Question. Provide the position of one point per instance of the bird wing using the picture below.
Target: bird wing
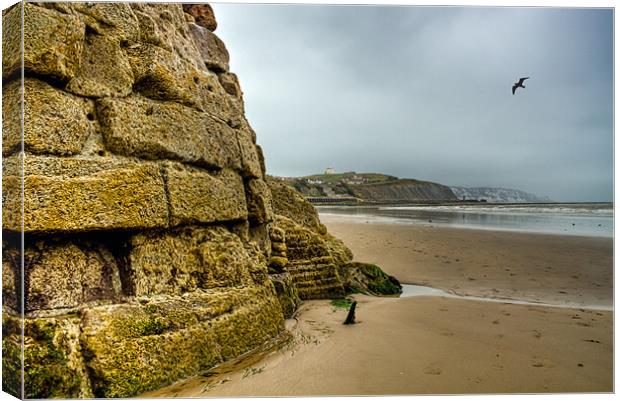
(514, 88)
(521, 80)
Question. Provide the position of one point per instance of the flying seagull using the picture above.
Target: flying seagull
(519, 84)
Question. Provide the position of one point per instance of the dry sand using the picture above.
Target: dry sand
(436, 345)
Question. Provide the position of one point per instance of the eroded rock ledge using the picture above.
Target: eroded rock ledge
(155, 246)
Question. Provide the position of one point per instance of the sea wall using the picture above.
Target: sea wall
(145, 212)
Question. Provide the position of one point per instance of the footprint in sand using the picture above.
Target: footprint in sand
(432, 370)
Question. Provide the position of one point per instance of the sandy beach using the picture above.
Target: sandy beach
(436, 345)
(503, 264)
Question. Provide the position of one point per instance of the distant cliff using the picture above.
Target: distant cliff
(370, 187)
(403, 190)
(497, 195)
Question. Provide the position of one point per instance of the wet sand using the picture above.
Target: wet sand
(438, 345)
(534, 267)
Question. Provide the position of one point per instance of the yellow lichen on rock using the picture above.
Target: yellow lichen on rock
(188, 259)
(55, 122)
(110, 195)
(195, 196)
(52, 42)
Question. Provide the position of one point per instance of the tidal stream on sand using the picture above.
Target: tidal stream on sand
(412, 290)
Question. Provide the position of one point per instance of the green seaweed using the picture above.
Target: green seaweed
(341, 303)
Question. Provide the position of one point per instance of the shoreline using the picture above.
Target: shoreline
(537, 267)
(375, 219)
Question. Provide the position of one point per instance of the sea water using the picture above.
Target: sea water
(585, 219)
(411, 290)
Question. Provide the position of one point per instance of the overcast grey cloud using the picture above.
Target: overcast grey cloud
(425, 92)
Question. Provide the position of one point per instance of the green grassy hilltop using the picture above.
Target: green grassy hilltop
(369, 187)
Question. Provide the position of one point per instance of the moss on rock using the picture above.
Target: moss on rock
(53, 365)
(191, 258)
(368, 278)
(133, 348)
(287, 294)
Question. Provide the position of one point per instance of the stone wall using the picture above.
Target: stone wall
(154, 246)
(146, 214)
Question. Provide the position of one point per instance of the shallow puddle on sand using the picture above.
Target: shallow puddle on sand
(412, 290)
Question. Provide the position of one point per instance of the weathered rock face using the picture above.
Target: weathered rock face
(145, 211)
(203, 14)
(154, 246)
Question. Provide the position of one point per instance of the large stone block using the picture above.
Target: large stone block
(111, 19)
(161, 74)
(230, 83)
(136, 126)
(135, 348)
(258, 198)
(164, 25)
(203, 15)
(196, 196)
(52, 42)
(62, 194)
(53, 362)
(212, 49)
(55, 122)
(251, 165)
(187, 259)
(104, 69)
(290, 203)
(63, 274)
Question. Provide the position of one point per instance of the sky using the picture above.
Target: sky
(425, 93)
